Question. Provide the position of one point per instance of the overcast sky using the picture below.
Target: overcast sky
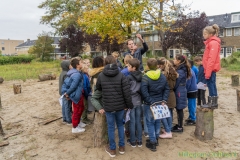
(19, 19)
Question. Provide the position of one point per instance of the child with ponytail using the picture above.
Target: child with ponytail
(211, 63)
(171, 75)
(184, 71)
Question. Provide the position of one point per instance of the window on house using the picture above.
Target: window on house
(229, 50)
(222, 51)
(2, 42)
(238, 49)
(221, 32)
(3, 48)
(229, 32)
(236, 31)
(236, 18)
(155, 37)
(210, 20)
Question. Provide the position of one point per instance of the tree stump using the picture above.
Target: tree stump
(17, 88)
(204, 124)
(1, 129)
(45, 77)
(100, 135)
(0, 101)
(235, 80)
(1, 80)
(238, 100)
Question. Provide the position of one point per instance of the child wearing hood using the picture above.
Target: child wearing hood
(154, 88)
(66, 104)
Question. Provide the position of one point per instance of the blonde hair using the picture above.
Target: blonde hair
(127, 58)
(214, 29)
(115, 54)
(85, 68)
(167, 65)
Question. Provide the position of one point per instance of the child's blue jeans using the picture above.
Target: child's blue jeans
(135, 124)
(211, 83)
(192, 108)
(66, 110)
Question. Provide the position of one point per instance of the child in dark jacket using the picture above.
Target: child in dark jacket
(87, 92)
(72, 89)
(184, 71)
(66, 104)
(116, 97)
(154, 88)
(135, 79)
(191, 87)
(201, 100)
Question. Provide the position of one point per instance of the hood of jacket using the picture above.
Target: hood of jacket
(72, 71)
(137, 75)
(154, 74)
(65, 65)
(95, 71)
(111, 70)
(181, 66)
(211, 39)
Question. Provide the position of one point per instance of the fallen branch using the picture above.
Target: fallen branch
(1, 118)
(4, 143)
(11, 135)
(49, 120)
(37, 117)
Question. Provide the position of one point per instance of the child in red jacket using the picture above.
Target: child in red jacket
(211, 62)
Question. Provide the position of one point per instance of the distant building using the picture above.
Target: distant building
(229, 24)
(7, 46)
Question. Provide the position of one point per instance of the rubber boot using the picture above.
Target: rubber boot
(215, 102)
(209, 104)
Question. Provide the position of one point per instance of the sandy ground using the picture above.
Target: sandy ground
(39, 101)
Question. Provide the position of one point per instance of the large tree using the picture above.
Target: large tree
(43, 46)
(72, 41)
(186, 32)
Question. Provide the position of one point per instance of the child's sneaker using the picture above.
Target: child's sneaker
(166, 135)
(81, 124)
(139, 144)
(78, 130)
(121, 149)
(146, 135)
(112, 153)
(69, 124)
(131, 144)
(190, 123)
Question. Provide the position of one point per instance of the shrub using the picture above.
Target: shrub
(15, 59)
(224, 62)
(236, 54)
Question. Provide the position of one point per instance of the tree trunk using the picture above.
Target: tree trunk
(45, 77)
(204, 124)
(100, 135)
(1, 129)
(238, 100)
(235, 80)
(17, 88)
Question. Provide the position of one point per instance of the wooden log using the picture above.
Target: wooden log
(49, 120)
(17, 88)
(1, 129)
(4, 143)
(45, 77)
(0, 101)
(204, 124)
(1, 80)
(235, 80)
(238, 100)
(100, 135)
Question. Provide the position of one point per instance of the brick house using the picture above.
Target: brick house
(229, 24)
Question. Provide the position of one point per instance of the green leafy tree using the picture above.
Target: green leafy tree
(43, 47)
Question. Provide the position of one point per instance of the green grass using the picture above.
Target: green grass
(28, 71)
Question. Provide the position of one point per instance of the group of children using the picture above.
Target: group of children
(115, 90)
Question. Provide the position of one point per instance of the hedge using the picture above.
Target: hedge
(15, 59)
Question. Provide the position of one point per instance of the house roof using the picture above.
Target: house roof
(223, 20)
(29, 42)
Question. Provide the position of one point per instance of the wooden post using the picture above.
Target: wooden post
(235, 80)
(238, 100)
(204, 124)
(45, 77)
(1, 80)
(100, 135)
(17, 88)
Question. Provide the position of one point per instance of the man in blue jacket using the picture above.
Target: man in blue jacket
(136, 53)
